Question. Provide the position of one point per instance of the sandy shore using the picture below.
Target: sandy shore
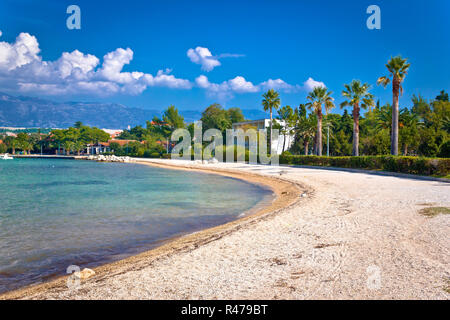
(328, 235)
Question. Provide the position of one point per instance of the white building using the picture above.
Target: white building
(285, 141)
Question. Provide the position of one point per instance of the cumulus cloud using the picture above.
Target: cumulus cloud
(204, 57)
(76, 63)
(239, 85)
(22, 68)
(227, 88)
(310, 84)
(278, 84)
(22, 52)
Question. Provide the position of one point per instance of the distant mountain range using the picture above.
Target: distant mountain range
(31, 112)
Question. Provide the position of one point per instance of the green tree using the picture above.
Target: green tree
(287, 116)
(215, 117)
(3, 148)
(78, 124)
(305, 129)
(357, 95)
(443, 96)
(23, 142)
(318, 97)
(409, 130)
(172, 118)
(271, 100)
(398, 68)
(235, 115)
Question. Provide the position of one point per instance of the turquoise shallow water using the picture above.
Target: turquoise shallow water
(56, 213)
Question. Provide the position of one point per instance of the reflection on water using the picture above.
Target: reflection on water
(54, 213)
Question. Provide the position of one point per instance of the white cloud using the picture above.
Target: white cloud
(75, 63)
(226, 89)
(1, 33)
(165, 79)
(278, 84)
(239, 85)
(21, 68)
(310, 84)
(204, 57)
(23, 51)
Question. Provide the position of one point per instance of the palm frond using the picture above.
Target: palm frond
(384, 81)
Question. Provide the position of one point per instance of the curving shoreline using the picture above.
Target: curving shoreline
(348, 236)
(286, 193)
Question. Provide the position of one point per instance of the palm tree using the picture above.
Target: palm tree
(398, 68)
(384, 117)
(319, 96)
(286, 114)
(306, 128)
(409, 124)
(355, 92)
(271, 101)
(68, 146)
(13, 145)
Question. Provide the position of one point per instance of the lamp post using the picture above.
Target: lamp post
(167, 146)
(328, 139)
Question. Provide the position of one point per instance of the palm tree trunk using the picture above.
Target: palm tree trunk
(394, 139)
(306, 144)
(356, 130)
(270, 145)
(319, 134)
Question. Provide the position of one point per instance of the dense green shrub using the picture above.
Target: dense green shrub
(151, 154)
(3, 148)
(445, 150)
(411, 165)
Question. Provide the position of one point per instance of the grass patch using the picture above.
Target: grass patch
(434, 211)
(447, 287)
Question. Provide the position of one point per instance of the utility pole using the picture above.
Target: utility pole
(167, 146)
(328, 139)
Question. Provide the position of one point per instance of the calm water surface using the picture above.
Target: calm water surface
(55, 213)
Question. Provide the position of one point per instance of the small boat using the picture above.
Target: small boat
(6, 157)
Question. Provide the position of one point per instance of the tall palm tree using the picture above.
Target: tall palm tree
(286, 114)
(357, 95)
(306, 129)
(398, 68)
(271, 101)
(318, 97)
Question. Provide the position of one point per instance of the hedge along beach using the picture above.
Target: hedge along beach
(334, 235)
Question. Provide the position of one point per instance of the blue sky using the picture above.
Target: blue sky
(253, 41)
